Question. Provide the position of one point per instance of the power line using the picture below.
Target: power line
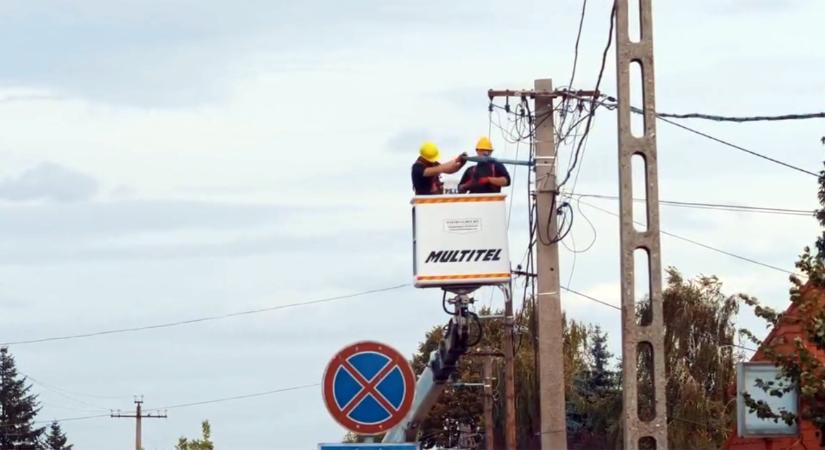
(237, 397)
(205, 318)
(706, 246)
(575, 56)
(743, 258)
(618, 308)
(65, 419)
(738, 147)
(71, 419)
(593, 299)
(64, 394)
(69, 393)
(185, 405)
(717, 118)
(714, 206)
(664, 118)
(594, 102)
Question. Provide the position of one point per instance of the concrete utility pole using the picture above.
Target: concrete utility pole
(636, 336)
(138, 416)
(488, 403)
(550, 351)
(509, 372)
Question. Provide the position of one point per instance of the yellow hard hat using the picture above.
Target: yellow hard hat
(429, 151)
(484, 144)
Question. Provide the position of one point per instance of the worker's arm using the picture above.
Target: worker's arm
(498, 181)
(451, 166)
(459, 162)
(502, 180)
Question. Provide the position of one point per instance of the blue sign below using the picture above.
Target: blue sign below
(367, 446)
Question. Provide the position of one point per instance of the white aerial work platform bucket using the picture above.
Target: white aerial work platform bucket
(460, 240)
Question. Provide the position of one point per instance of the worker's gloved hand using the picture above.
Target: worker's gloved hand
(483, 180)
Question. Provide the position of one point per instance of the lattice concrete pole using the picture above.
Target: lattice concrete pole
(634, 333)
(551, 363)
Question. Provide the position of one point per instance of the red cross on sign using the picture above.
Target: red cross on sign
(368, 387)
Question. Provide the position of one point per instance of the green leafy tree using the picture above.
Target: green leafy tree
(56, 439)
(462, 407)
(798, 360)
(18, 408)
(700, 360)
(700, 366)
(204, 443)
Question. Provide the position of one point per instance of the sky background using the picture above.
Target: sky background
(171, 159)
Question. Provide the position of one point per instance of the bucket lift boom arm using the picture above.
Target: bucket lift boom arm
(442, 365)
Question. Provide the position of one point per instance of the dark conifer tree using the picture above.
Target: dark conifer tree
(56, 439)
(18, 408)
(601, 380)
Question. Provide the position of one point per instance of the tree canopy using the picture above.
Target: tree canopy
(800, 363)
(700, 367)
(204, 443)
(18, 408)
(56, 439)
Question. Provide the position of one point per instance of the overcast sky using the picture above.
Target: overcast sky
(170, 159)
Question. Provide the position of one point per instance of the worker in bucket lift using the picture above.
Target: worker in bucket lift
(485, 177)
(426, 171)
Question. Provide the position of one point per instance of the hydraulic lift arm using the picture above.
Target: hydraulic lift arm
(433, 380)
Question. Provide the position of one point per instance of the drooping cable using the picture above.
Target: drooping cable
(700, 244)
(663, 118)
(718, 118)
(237, 397)
(713, 206)
(203, 319)
(618, 308)
(594, 101)
(575, 56)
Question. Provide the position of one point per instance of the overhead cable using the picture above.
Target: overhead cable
(618, 308)
(714, 206)
(706, 246)
(575, 55)
(738, 147)
(238, 397)
(664, 118)
(72, 419)
(63, 394)
(69, 393)
(594, 100)
(818, 115)
(186, 405)
(594, 299)
(205, 318)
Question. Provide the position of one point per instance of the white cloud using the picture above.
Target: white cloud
(48, 181)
